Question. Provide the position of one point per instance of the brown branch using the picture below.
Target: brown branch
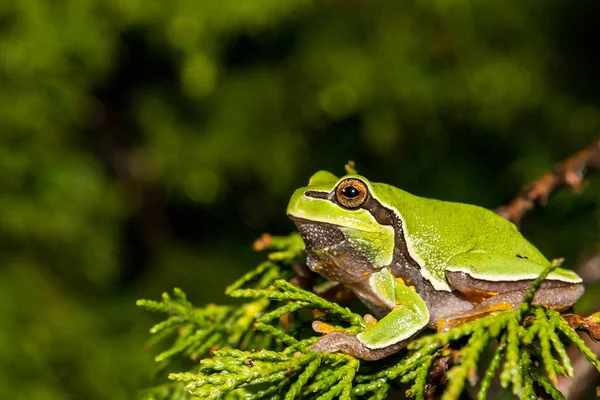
(570, 172)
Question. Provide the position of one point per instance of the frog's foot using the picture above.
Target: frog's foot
(450, 321)
(349, 344)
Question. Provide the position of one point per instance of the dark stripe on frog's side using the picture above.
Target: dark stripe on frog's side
(404, 266)
(439, 303)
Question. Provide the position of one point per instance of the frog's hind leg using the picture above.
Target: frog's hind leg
(349, 344)
(490, 297)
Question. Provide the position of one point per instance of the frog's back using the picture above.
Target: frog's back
(437, 230)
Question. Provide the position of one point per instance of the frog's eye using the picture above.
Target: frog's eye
(351, 193)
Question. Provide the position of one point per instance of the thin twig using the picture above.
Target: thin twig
(570, 172)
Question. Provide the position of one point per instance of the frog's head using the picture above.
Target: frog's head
(346, 230)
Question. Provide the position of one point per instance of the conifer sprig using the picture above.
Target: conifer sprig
(261, 350)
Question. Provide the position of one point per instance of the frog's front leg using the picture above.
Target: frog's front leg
(408, 315)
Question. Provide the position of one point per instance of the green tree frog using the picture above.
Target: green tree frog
(416, 262)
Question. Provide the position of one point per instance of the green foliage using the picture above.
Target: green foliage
(200, 330)
(281, 365)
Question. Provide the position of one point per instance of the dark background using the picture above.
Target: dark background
(144, 145)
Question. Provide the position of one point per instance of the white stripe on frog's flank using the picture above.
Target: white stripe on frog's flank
(437, 284)
(511, 278)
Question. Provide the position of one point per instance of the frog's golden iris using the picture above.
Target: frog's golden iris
(351, 193)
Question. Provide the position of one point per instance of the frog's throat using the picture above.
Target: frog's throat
(332, 255)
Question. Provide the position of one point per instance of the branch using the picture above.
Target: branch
(570, 172)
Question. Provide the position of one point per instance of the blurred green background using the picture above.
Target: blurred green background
(145, 144)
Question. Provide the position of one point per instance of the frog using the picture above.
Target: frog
(415, 262)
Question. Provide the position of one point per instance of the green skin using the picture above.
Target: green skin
(417, 262)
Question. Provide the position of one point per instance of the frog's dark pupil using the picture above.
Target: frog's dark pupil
(350, 192)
